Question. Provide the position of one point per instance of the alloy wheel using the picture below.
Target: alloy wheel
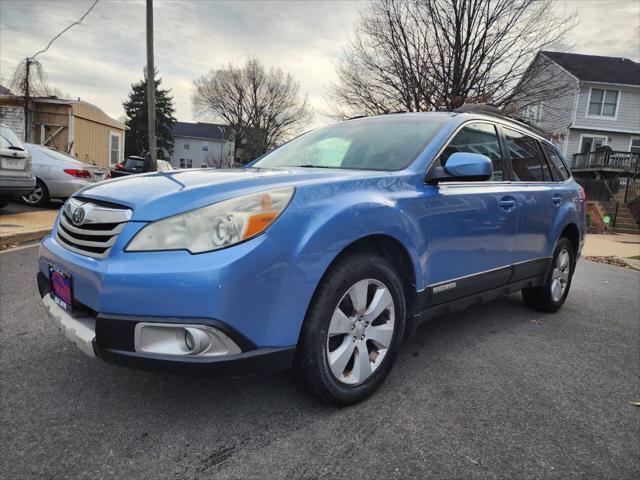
(361, 331)
(35, 196)
(560, 275)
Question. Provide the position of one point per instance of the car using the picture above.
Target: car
(134, 165)
(15, 167)
(58, 175)
(130, 166)
(321, 256)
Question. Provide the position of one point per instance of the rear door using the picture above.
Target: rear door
(472, 224)
(539, 200)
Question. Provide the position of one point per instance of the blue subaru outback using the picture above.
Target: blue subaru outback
(321, 256)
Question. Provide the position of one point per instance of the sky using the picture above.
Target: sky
(99, 59)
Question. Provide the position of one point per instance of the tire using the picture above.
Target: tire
(551, 296)
(39, 197)
(338, 328)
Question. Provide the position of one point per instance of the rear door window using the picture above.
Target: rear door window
(560, 172)
(526, 160)
(477, 138)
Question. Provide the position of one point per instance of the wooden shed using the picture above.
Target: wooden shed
(80, 128)
(73, 126)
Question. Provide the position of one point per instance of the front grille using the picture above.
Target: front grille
(93, 231)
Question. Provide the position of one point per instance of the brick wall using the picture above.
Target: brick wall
(13, 117)
(596, 224)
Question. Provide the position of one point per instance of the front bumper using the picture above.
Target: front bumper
(114, 345)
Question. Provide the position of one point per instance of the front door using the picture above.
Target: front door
(471, 225)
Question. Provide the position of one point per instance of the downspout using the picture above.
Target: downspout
(573, 119)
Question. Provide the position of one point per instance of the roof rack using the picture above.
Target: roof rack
(493, 110)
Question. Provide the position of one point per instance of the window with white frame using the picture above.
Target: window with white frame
(186, 163)
(590, 144)
(114, 148)
(205, 147)
(186, 146)
(634, 147)
(603, 103)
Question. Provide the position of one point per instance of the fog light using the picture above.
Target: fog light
(196, 340)
(189, 341)
(183, 340)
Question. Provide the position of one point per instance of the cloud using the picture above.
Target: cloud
(99, 59)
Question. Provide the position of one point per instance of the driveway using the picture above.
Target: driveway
(498, 391)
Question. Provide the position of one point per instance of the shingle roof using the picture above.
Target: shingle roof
(4, 91)
(593, 68)
(200, 130)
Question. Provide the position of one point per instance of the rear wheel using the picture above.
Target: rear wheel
(38, 197)
(550, 296)
(353, 330)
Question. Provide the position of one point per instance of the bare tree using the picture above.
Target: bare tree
(420, 55)
(262, 108)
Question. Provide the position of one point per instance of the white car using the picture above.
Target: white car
(15, 167)
(59, 175)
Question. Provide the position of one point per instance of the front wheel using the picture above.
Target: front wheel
(353, 330)
(550, 296)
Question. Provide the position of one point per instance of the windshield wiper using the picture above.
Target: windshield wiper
(308, 165)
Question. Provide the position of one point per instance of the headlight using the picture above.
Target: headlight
(215, 226)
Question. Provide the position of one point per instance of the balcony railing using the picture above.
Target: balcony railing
(621, 161)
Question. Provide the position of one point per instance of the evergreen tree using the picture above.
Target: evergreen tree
(137, 138)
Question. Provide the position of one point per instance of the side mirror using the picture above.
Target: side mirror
(463, 166)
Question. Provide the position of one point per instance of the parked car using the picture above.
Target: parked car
(322, 256)
(133, 165)
(58, 175)
(15, 167)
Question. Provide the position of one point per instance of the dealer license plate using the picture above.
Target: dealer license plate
(61, 287)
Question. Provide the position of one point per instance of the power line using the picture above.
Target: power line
(77, 22)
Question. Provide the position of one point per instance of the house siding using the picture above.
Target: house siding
(617, 141)
(627, 116)
(218, 154)
(554, 90)
(91, 141)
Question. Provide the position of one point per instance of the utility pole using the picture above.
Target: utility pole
(26, 99)
(151, 92)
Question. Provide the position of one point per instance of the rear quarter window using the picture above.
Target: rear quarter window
(560, 171)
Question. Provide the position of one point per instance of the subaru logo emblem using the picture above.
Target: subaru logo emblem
(78, 216)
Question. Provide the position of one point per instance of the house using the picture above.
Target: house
(73, 126)
(197, 145)
(590, 106)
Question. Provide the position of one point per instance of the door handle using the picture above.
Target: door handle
(556, 200)
(507, 203)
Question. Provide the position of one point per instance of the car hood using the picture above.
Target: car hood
(156, 195)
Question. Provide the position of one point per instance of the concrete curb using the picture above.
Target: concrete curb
(18, 238)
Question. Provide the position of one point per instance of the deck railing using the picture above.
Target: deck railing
(624, 161)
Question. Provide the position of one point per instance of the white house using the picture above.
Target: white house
(584, 101)
(201, 145)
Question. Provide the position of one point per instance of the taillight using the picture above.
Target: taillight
(77, 173)
(583, 194)
(118, 166)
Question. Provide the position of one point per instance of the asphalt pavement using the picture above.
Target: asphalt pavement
(498, 391)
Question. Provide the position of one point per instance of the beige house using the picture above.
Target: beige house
(73, 126)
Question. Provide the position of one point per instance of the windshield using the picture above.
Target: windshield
(381, 143)
(63, 157)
